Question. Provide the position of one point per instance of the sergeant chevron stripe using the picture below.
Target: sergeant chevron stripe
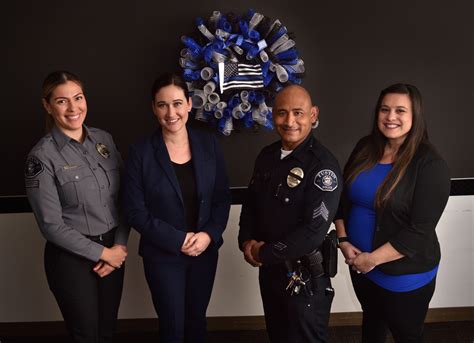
(321, 211)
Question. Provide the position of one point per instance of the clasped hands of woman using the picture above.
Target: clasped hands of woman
(360, 262)
(195, 243)
(111, 259)
(364, 262)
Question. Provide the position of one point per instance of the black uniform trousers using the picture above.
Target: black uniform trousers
(181, 291)
(299, 318)
(402, 312)
(89, 304)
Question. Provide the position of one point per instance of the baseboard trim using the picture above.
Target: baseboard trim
(434, 315)
(450, 314)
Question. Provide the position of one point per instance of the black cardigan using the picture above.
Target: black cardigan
(409, 218)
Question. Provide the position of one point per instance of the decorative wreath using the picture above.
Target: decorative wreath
(234, 65)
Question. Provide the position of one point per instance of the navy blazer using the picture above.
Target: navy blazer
(152, 197)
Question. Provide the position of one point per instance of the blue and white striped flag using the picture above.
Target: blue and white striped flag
(240, 75)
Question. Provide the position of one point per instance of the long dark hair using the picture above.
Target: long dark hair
(373, 149)
(167, 79)
(50, 83)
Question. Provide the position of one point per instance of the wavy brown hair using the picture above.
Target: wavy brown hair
(373, 146)
(53, 80)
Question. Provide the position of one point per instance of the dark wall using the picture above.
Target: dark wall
(351, 51)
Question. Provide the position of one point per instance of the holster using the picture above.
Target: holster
(329, 249)
(323, 261)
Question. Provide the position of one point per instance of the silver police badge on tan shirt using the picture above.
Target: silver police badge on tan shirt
(102, 150)
(295, 177)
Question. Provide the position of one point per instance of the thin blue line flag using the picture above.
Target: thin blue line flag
(240, 75)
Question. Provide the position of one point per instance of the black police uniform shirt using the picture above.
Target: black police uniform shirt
(291, 202)
(73, 189)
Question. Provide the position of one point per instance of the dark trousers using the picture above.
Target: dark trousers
(89, 304)
(181, 292)
(402, 312)
(294, 319)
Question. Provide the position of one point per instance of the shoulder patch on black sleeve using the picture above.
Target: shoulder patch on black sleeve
(326, 180)
(33, 167)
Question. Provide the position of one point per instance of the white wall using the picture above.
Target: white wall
(24, 294)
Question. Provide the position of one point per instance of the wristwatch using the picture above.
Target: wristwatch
(341, 240)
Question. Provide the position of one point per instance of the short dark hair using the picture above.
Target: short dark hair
(167, 79)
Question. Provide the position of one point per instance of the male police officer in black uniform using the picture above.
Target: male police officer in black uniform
(292, 199)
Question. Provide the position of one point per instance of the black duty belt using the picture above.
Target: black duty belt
(103, 236)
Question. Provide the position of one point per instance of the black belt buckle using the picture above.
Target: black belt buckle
(102, 236)
(97, 238)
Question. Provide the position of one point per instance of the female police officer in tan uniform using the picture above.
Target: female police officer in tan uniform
(72, 182)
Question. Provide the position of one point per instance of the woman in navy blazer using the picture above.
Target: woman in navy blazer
(176, 196)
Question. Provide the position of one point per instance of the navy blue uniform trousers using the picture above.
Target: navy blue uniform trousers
(299, 318)
(181, 291)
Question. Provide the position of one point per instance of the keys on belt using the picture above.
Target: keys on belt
(297, 283)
